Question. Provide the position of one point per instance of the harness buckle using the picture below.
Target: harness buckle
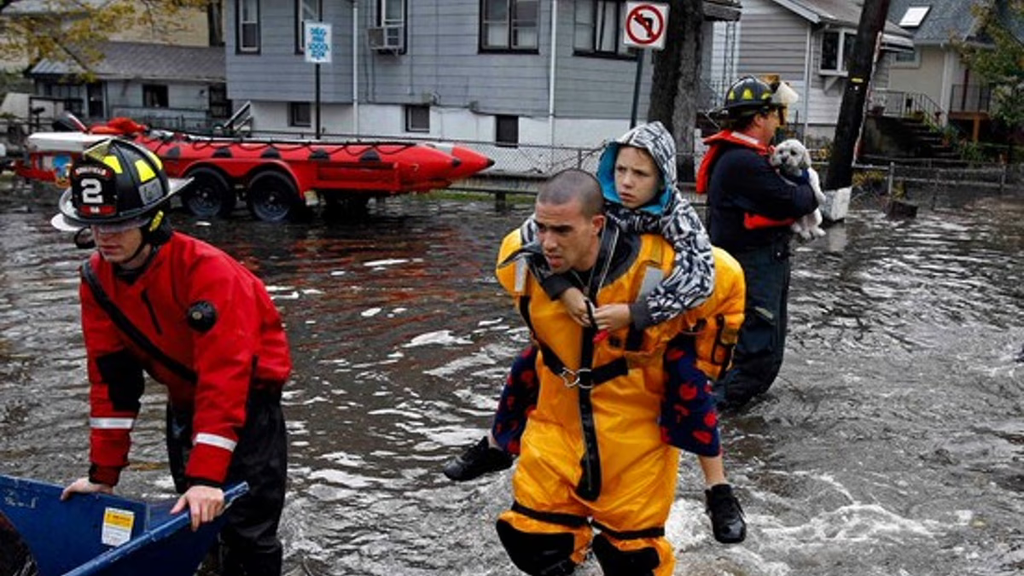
(571, 378)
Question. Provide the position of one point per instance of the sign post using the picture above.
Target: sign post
(317, 46)
(644, 27)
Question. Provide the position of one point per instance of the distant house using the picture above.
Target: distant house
(168, 86)
(505, 71)
(135, 56)
(808, 43)
(934, 73)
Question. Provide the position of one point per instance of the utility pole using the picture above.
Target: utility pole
(851, 112)
(675, 83)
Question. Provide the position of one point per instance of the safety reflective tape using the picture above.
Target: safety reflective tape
(214, 440)
(114, 163)
(520, 278)
(145, 171)
(111, 423)
(652, 277)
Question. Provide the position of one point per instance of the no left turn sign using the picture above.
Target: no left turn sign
(645, 25)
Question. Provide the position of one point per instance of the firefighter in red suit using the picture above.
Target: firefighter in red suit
(159, 302)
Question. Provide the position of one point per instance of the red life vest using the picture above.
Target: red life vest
(715, 142)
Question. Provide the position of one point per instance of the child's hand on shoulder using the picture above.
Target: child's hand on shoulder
(576, 305)
(613, 316)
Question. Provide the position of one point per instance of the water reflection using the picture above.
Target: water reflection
(891, 444)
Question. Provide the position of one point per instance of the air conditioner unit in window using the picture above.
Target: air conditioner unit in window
(391, 38)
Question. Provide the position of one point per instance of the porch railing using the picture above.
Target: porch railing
(907, 105)
(185, 119)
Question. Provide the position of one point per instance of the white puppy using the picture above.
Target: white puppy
(791, 158)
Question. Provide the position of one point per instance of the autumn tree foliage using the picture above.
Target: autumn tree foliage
(996, 54)
(70, 30)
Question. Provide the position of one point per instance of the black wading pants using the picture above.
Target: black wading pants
(249, 543)
(762, 340)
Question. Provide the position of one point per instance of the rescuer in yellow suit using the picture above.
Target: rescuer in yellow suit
(593, 454)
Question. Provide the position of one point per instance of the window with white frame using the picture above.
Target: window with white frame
(907, 58)
(509, 25)
(836, 51)
(390, 21)
(597, 28)
(391, 12)
(300, 114)
(305, 10)
(417, 118)
(247, 15)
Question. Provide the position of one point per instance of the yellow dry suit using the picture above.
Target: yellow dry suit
(717, 320)
(703, 350)
(593, 454)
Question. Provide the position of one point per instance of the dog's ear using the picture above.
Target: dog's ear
(805, 158)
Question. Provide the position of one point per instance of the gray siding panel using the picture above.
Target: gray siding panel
(442, 64)
(277, 72)
(772, 41)
(443, 60)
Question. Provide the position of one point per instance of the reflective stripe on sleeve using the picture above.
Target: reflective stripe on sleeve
(214, 440)
(111, 423)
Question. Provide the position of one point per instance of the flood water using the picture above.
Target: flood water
(892, 443)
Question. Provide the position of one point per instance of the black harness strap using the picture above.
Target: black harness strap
(589, 485)
(721, 349)
(524, 311)
(630, 534)
(569, 520)
(129, 329)
(574, 521)
(599, 375)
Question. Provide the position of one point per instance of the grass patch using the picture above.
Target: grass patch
(475, 196)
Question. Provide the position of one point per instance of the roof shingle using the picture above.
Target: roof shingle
(137, 60)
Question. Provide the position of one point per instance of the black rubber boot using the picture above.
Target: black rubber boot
(727, 521)
(476, 461)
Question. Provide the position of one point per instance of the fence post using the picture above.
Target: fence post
(889, 179)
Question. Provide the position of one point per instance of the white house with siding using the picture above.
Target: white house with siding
(807, 43)
(551, 72)
(935, 71)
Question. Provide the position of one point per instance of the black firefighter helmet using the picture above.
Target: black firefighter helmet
(115, 185)
(749, 96)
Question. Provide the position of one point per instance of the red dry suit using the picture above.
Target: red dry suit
(203, 311)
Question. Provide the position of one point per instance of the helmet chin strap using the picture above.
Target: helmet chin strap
(142, 246)
(84, 239)
(154, 233)
(148, 238)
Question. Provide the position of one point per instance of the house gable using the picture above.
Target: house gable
(785, 37)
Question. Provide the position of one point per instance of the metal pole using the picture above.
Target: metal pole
(636, 87)
(320, 18)
(355, 68)
(551, 73)
(317, 74)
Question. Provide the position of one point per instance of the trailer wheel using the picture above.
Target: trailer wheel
(209, 195)
(272, 197)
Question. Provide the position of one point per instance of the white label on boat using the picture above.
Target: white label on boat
(117, 526)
